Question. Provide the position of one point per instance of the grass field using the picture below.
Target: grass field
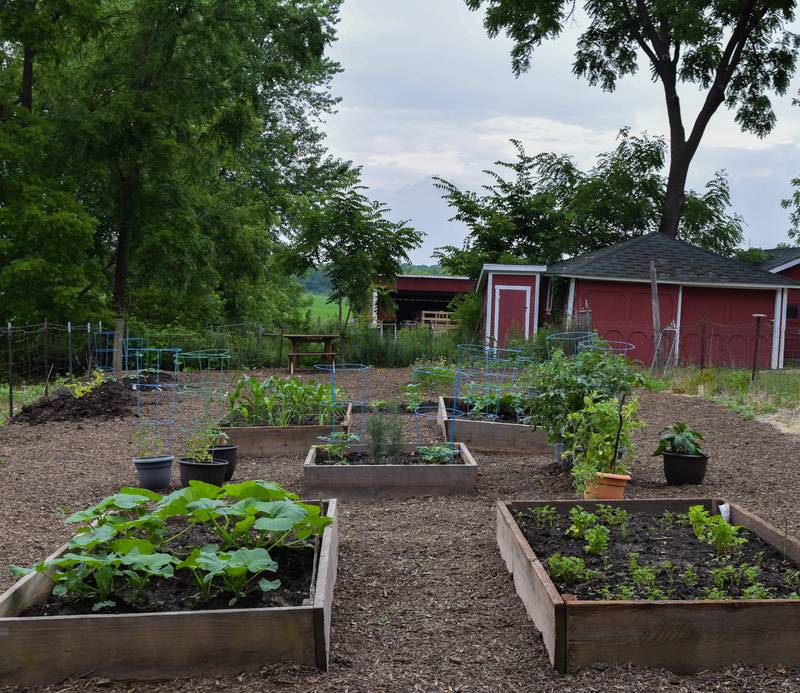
(321, 308)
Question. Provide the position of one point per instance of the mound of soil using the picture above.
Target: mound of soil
(149, 379)
(110, 400)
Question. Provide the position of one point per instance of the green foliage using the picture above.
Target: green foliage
(562, 384)
(121, 543)
(731, 577)
(596, 540)
(791, 578)
(567, 569)
(336, 447)
(738, 54)
(757, 591)
(280, 401)
(714, 530)
(581, 520)
(544, 516)
(437, 454)
(689, 576)
(613, 517)
(678, 439)
(376, 437)
(547, 208)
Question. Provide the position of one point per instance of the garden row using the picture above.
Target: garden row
(223, 576)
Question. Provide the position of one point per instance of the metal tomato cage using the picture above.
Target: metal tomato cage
(595, 343)
(156, 384)
(203, 375)
(335, 403)
(568, 342)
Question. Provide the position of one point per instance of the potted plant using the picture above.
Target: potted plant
(684, 461)
(153, 467)
(597, 438)
(199, 463)
(222, 449)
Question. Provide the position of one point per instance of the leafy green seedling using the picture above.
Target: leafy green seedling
(689, 577)
(597, 540)
(581, 521)
(567, 569)
(437, 454)
(544, 516)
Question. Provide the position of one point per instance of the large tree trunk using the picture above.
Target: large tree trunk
(125, 225)
(675, 196)
(26, 90)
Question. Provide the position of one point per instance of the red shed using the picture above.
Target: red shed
(512, 300)
(786, 263)
(708, 301)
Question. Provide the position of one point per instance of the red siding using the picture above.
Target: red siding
(622, 311)
(730, 325)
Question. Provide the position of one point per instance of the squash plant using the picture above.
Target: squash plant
(134, 537)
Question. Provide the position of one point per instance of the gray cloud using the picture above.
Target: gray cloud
(426, 93)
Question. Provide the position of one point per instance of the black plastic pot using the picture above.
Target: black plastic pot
(684, 469)
(212, 472)
(154, 473)
(229, 454)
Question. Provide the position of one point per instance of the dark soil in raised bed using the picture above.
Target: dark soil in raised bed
(109, 400)
(363, 458)
(180, 593)
(654, 540)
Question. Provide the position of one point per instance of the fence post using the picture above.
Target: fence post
(758, 317)
(259, 333)
(69, 345)
(10, 371)
(46, 355)
(119, 337)
(89, 347)
(280, 348)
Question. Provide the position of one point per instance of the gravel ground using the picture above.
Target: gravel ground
(422, 601)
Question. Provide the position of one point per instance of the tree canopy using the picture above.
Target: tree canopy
(159, 160)
(739, 52)
(548, 208)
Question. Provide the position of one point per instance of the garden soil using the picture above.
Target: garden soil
(423, 601)
(109, 400)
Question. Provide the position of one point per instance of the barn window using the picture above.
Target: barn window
(792, 311)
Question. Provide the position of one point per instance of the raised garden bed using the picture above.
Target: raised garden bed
(492, 436)
(362, 479)
(271, 441)
(684, 635)
(41, 649)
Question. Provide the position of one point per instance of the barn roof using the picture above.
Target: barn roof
(779, 257)
(677, 262)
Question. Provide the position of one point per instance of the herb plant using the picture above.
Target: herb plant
(678, 439)
(437, 454)
(544, 516)
(597, 540)
(581, 521)
(567, 569)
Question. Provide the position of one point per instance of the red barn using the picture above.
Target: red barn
(786, 263)
(706, 301)
(415, 294)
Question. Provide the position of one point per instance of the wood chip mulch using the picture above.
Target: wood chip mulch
(422, 600)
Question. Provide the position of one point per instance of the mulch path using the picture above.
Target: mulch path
(422, 600)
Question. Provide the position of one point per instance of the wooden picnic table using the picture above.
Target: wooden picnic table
(328, 353)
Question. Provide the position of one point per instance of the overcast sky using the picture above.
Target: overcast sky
(426, 93)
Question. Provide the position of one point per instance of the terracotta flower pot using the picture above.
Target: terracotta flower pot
(607, 487)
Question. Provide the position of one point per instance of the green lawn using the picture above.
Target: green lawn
(320, 308)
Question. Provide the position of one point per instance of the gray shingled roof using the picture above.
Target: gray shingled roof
(676, 261)
(779, 256)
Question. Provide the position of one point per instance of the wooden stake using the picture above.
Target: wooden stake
(656, 310)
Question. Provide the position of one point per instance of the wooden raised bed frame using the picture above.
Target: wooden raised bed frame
(349, 481)
(273, 441)
(145, 646)
(492, 436)
(683, 636)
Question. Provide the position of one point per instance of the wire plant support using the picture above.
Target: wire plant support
(336, 403)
